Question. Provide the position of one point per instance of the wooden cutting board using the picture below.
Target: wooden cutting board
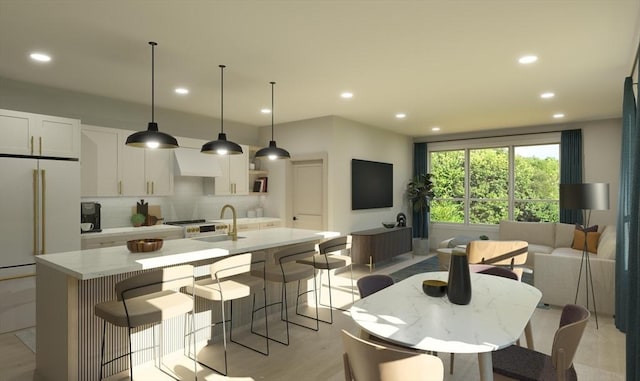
(153, 210)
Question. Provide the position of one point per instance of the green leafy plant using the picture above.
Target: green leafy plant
(137, 219)
(420, 194)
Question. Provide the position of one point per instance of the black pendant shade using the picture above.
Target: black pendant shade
(152, 138)
(222, 146)
(272, 151)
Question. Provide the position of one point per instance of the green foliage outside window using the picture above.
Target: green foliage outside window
(535, 188)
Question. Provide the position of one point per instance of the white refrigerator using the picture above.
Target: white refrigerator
(39, 214)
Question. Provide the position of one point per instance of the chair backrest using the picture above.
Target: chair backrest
(334, 244)
(573, 321)
(295, 252)
(370, 284)
(229, 266)
(169, 278)
(366, 361)
(498, 252)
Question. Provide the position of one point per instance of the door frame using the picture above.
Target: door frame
(300, 159)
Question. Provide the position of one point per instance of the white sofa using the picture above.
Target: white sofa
(556, 266)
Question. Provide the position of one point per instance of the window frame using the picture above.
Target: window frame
(509, 142)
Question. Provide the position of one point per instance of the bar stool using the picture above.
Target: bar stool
(285, 270)
(143, 299)
(331, 258)
(231, 280)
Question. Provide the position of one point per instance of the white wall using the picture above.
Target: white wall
(342, 140)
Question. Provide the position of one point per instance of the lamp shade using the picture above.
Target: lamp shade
(273, 152)
(151, 138)
(593, 196)
(222, 146)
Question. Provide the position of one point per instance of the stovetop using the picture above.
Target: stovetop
(185, 222)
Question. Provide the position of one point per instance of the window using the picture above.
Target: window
(490, 182)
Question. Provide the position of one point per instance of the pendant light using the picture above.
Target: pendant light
(152, 138)
(222, 146)
(272, 152)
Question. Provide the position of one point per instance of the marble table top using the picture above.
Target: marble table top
(495, 318)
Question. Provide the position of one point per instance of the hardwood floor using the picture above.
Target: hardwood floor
(317, 356)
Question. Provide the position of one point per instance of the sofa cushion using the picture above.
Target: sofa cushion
(533, 248)
(592, 241)
(607, 243)
(564, 235)
(542, 233)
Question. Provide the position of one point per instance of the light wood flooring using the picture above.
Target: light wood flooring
(317, 356)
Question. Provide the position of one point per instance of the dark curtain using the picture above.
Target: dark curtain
(629, 136)
(571, 169)
(633, 254)
(420, 167)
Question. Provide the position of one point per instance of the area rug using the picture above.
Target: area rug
(428, 265)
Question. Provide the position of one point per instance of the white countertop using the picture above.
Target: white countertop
(96, 263)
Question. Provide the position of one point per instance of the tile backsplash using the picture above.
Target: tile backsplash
(190, 201)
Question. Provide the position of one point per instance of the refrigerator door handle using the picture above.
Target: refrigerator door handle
(44, 211)
(35, 212)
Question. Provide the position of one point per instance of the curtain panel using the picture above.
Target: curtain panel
(571, 169)
(623, 227)
(420, 167)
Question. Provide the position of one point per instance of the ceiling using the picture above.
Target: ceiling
(445, 63)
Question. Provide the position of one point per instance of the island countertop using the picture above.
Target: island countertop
(96, 263)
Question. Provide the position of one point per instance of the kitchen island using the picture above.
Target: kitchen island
(69, 284)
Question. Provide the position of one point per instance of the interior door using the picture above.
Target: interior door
(308, 195)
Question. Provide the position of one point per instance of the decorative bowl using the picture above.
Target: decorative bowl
(144, 245)
(389, 225)
(434, 287)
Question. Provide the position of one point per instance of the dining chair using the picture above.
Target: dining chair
(373, 283)
(148, 298)
(286, 270)
(367, 361)
(518, 363)
(333, 254)
(231, 280)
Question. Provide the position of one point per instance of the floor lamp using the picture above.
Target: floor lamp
(585, 197)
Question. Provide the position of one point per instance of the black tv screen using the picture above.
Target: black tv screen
(371, 184)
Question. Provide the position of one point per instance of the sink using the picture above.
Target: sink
(216, 238)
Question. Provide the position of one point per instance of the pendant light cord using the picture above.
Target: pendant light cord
(272, 83)
(221, 97)
(153, 89)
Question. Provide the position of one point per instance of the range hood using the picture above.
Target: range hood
(191, 162)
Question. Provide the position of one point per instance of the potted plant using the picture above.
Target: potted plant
(420, 194)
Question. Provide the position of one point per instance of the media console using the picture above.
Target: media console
(376, 245)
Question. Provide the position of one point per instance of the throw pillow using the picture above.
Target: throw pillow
(592, 241)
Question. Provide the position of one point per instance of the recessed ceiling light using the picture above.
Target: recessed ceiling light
(401, 115)
(525, 60)
(558, 115)
(547, 95)
(346, 95)
(265, 111)
(40, 57)
(435, 129)
(181, 91)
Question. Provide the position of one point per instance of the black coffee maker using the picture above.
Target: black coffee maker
(90, 212)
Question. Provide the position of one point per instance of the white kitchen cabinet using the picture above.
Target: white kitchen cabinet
(110, 168)
(107, 239)
(270, 224)
(23, 133)
(235, 174)
(99, 162)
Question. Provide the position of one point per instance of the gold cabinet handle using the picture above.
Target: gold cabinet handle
(120, 187)
(44, 210)
(153, 183)
(40, 145)
(31, 145)
(35, 211)
(147, 187)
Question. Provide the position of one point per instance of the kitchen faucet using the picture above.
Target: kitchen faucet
(233, 232)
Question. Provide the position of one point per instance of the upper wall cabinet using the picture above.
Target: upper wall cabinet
(23, 133)
(235, 174)
(110, 168)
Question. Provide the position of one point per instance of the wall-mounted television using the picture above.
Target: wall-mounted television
(371, 184)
